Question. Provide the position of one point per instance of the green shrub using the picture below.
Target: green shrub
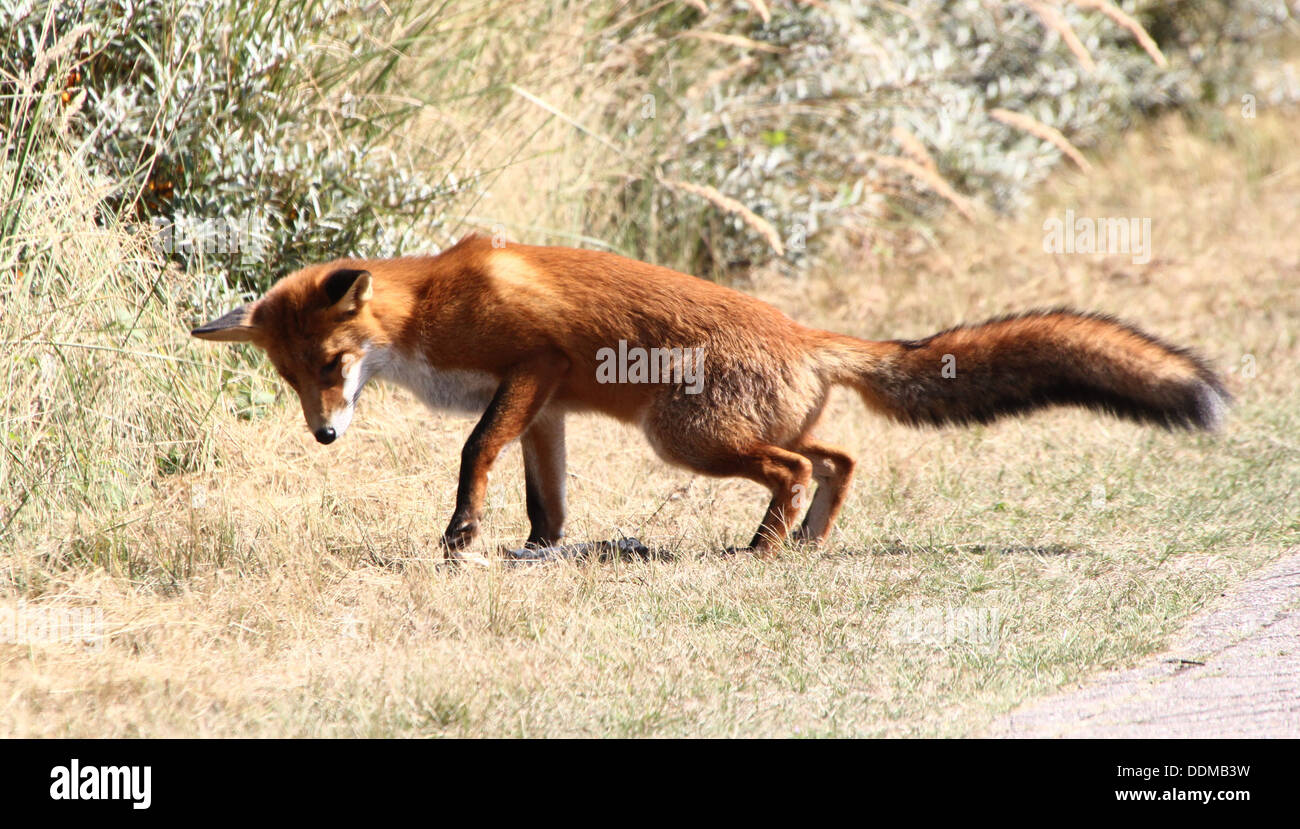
(791, 115)
(236, 126)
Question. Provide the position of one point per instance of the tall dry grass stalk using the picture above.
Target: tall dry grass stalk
(760, 8)
(738, 41)
(100, 395)
(1121, 17)
(928, 177)
(1040, 130)
(912, 147)
(727, 204)
(1056, 22)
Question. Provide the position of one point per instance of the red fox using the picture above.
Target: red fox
(525, 335)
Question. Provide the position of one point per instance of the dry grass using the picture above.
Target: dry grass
(927, 176)
(1040, 130)
(1141, 35)
(294, 590)
(1056, 22)
(756, 222)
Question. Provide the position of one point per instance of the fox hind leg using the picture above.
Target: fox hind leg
(832, 469)
(748, 423)
(788, 476)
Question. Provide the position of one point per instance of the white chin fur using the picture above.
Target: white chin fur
(340, 420)
(355, 376)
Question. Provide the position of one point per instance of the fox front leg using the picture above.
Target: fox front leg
(522, 394)
(543, 446)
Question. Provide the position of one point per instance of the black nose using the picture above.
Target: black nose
(325, 434)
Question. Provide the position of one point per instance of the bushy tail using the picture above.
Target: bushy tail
(1016, 364)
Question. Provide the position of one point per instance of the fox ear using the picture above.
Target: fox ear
(348, 289)
(234, 326)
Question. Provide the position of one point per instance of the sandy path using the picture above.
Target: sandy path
(1247, 682)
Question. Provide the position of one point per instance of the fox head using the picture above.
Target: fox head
(317, 328)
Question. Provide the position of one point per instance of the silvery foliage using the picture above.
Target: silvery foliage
(207, 113)
(234, 103)
(790, 137)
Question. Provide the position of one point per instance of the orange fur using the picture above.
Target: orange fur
(520, 333)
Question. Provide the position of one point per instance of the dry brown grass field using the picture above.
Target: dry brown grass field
(295, 590)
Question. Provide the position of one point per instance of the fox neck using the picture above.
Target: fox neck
(391, 313)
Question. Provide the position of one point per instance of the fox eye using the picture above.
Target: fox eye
(330, 367)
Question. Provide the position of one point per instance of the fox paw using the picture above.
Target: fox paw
(763, 553)
(802, 538)
(465, 557)
(458, 536)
